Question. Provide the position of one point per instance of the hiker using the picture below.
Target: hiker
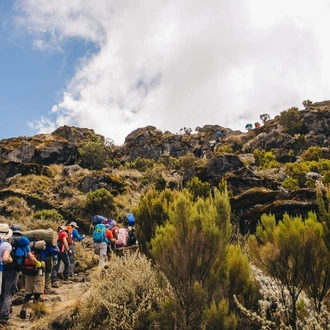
(63, 256)
(256, 124)
(100, 242)
(5, 248)
(20, 250)
(248, 127)
(110, 238)
(33, 277)
(212, 145)
(72, 239)
(51, 260)
(218, 136)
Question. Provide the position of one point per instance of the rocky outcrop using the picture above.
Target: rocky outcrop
(252, 193)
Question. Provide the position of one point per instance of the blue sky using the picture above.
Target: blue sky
(114, 66)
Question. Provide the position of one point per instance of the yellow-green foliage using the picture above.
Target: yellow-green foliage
(198, 188)
(142, 164)
(218, 316)
(94, 155)
(101, 202)
(312, 153)
(299, 170)
(187, 160)
(46, 219)
(151, 211)
(294, 253)
(224, 148)
(290, 183)
(265, 159)
(191, 249)
(123, 295)
(48, 215)
(169, 162)
(289, 119)
(240, 277)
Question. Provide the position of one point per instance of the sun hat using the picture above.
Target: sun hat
(17, 230)
(5, 231)
(61, 228)
(74, 224)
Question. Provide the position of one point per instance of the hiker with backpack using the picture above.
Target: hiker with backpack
(73, 237)
(20, 250)
(33, 275)
(100, 242)
(5, 248)
(63, 256)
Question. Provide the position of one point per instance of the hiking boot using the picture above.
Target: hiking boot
(3, 321)
(22, 313)
(55, 285)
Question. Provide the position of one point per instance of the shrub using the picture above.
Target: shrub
(124, 295)
(48, 215)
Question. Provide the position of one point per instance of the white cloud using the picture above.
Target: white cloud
(178, 63)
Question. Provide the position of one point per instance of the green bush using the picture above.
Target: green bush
(48, 215)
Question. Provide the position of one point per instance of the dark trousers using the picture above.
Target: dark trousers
(63, 256)
(9, 284)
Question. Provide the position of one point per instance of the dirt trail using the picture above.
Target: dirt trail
(56, 299)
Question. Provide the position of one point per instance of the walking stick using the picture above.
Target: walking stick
(43, 284)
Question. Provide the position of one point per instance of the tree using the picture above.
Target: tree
(286, 251)
(95, 155)
(290, 120)
(307, 103)
(264, 117)
(191, 249)
(101, 202)
(152, 211)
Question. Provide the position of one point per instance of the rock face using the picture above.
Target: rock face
(252, 194)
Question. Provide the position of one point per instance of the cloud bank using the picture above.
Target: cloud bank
(177, 63)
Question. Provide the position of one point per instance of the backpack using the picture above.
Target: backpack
(29, 268)
(99, 233)
(18, 253)
(131, 238)
(122, 237)
(96, 219)
(69, 231)
(130, 219)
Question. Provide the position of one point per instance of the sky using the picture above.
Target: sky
(114, 66)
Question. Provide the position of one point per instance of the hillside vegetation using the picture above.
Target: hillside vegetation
(235, 238)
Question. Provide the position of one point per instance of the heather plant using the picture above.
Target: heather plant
(191, 249)
(95, 155)
(101, 201)
(290, 183)
(288, 252)
(290, 120)
(152, 211)
(264, 159)
(197, 188)
(312, 153)
(127, 294)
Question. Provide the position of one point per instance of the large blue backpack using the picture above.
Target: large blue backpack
(130, 219)
(99, 233)
(98, 219)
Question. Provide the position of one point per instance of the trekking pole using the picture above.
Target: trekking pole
(43, 283)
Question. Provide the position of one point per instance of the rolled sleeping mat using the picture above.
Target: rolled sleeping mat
(49, 236)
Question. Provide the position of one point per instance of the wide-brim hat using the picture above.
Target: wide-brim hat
(5, 231)
(74, 224)
(61, 228)
(17, 230)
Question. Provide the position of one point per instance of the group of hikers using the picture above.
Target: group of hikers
(38, 255)
(36, 259)
(107, 236)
